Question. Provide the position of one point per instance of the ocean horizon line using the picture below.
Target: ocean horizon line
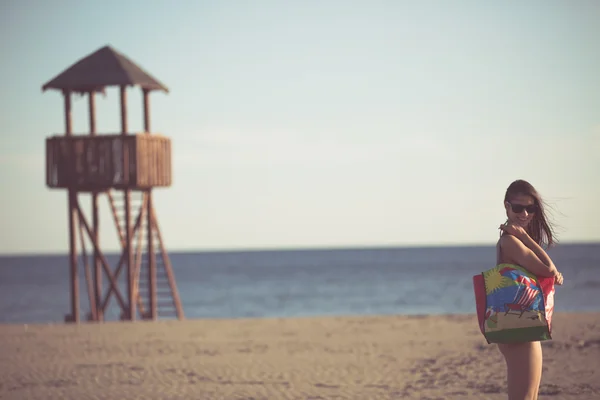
(266, 249)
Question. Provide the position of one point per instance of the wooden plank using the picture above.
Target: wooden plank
(153, 310)
(73, 256)
(130, 315)
(138, 259)
(146, 98)
(130, 312)
(92, 112)
(169, 165)
(88, 275)
(98, 314)
(72, 195)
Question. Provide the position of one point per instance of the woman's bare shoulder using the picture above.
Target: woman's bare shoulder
(506, 246)
(509, 240)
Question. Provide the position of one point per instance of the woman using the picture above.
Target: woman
(525, 231)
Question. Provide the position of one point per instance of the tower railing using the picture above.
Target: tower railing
(97, 163)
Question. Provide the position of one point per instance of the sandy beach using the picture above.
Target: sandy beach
(387, 357)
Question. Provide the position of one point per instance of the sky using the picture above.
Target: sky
(317, 123)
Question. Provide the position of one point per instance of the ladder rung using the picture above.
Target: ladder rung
(159, 284)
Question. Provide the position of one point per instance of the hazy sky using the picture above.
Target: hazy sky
(318, 123)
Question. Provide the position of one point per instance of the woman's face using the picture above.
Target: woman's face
(520, 209)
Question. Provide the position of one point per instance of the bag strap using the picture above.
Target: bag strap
(499, 249)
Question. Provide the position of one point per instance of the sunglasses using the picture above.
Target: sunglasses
(518, 208)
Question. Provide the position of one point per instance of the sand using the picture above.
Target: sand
(381, 357)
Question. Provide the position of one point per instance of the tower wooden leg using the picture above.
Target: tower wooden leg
(74, 317)
(130, 269)
(97, 267)
(151, 260)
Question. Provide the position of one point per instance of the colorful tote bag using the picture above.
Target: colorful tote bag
(513, 305)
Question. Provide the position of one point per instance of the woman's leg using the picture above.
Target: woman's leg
(523, 369)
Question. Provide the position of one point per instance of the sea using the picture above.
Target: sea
(303, 282)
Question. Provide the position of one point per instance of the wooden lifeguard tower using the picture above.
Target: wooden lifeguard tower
(118, 166)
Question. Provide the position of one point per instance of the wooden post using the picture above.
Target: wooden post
(127, 194)
(95, 218)
(153, 311)
(92, 112)
(72, 193)
(68, 118)
(88, 275)
(146, 93)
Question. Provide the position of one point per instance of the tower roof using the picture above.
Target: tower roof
(104, 67)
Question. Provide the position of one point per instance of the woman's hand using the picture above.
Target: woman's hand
(514, 230)
(558, 278)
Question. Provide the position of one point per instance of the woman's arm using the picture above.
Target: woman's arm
(537, 249)
(515, 249)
